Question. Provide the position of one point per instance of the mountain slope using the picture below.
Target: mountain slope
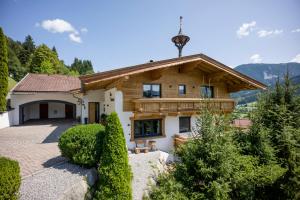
(267, 74)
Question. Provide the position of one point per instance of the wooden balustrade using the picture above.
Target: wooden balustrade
(175, 105)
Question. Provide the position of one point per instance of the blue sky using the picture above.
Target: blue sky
(115, 34)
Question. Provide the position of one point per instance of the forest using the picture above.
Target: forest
(27, 57)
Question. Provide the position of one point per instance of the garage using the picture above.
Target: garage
(43, 97)
(47, 109)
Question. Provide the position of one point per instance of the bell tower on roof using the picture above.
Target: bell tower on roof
(180, 40)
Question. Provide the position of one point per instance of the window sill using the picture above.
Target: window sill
(148, 138)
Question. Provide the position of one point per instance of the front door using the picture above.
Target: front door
(93, 112)
(44, 111)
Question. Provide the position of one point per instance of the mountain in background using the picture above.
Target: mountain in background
(267, 74)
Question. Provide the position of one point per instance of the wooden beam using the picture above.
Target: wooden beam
(117, 83)
(156, 74)
(187, 68)
(217, 76)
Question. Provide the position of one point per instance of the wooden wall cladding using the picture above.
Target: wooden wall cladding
(169, 79)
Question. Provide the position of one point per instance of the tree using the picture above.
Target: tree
(3, 71)
(82, 66)
(114, 170)
(47, 67)
(44, 55)
(276, 125)
(54, 50)
(212, 167)
(27, 51)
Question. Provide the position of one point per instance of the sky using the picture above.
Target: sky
(114, 34)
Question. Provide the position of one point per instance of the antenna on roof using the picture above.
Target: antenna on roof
(180, 40)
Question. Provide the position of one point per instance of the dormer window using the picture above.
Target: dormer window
(151, 90)
(207, 91)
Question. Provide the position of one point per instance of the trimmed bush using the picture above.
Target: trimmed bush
(10, 179)
(82, 144)
(114, 170)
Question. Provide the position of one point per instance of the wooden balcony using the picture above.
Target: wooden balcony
(177, 105)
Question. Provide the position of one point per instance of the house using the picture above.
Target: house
(154, 101)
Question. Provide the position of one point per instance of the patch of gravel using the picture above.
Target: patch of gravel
(144, 167)
(55, 182)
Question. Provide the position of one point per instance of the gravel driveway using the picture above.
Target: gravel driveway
(33, 145)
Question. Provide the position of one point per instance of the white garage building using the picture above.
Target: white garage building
(41, 96)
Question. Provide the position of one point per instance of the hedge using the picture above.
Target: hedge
(114, 171)
(10, 179)
(82, 144)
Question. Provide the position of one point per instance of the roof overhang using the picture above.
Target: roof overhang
(103, 78)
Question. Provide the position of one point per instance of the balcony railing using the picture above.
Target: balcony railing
(175, 105)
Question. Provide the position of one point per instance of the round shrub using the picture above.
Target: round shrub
(10, 178)
(82, 144)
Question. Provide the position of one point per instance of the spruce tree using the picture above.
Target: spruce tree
(3, 71)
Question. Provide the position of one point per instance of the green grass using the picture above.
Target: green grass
(11, 83)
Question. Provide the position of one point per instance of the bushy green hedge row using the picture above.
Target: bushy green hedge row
(10, 178)
(82, 144)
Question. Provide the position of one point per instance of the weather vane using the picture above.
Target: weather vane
(180, 40)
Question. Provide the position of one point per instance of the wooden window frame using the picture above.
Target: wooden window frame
(151, 84)
(179, 90)
(163, 133)
(212, 91)
(189, 117)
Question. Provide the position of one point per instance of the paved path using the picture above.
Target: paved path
(33, 145)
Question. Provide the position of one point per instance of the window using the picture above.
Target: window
(181, 90)
(207, 91)
(151, 90)
(147, 128)
(184, 124)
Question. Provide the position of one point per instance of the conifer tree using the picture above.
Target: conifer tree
(3, 71)
(114, 170)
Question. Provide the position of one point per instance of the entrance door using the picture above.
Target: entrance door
(43, 111)
(94, 112)
(69, 111)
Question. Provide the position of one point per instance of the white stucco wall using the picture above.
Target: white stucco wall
(5, 119)
(92, 96)
(18, 99)
(56, 110)
(171, 126)
(110, 101)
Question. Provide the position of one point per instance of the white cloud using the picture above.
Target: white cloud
(256, 58)
(245, 29)
(62, 26)
(296, 59)
(296, 30)
(57, 26)
(264, 33)
(84, 30)
(75, 37)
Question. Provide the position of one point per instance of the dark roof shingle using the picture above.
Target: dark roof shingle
(47, 83)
